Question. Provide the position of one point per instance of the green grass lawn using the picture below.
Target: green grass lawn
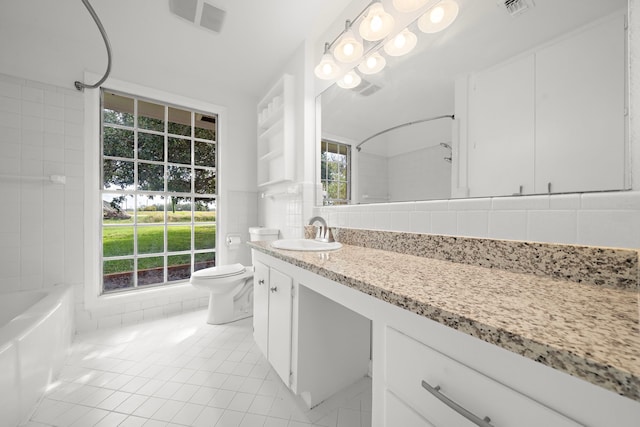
(118, 241)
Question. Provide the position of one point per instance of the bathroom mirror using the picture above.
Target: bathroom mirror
(524, 88)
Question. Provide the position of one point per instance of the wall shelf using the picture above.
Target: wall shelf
(275, 134)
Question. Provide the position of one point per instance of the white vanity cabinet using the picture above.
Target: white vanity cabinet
(414, 368)
(316, 346)
(543, 122)
(338, 334)
(272, 296)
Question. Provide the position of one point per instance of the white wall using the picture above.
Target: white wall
(372, 176)
(41, 235)
(420, 175)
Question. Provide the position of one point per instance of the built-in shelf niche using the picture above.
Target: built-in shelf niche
(275, 134)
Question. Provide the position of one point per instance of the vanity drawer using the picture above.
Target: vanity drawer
(409, 363)
(398, 413)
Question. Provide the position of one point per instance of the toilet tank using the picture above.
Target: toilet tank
(263, 233)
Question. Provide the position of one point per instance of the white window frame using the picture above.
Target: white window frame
(349, 181)
(93, 297)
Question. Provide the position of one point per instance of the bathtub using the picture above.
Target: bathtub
(36, 328)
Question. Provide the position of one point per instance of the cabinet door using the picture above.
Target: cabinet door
(580, 122)
(261, 306)
(279, 350)
(501, 129)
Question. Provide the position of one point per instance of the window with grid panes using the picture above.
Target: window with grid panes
(158, 192)
(335, 172)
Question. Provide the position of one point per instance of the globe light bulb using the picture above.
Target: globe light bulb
(327, 69)
(401, 44)
(436, 15)
(373, 64)
(348, 49)
(439, 17)
(377, 23)
(349, 80)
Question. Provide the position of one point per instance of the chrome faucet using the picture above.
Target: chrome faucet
(323, 234)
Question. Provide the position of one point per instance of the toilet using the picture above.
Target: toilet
(230, 286)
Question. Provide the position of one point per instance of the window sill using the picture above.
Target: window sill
(175, 293)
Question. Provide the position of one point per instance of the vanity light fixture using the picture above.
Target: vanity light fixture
(349, 80)
(401, 44)
(439, 17)
(372, 64)
(349, 48)
(327, 69)
(406, 6)
(377, 24)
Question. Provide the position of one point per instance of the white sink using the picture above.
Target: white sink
(305, 245)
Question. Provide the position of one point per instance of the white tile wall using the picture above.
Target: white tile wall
(38, 219)
(287, 208)
(600, 219)
(42, 224)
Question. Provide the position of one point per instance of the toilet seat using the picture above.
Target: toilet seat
(219, 272)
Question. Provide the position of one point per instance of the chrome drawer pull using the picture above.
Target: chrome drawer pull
(261, 282)
(274, 289)
(435, 391)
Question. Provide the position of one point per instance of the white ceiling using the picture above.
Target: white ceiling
(257, 38)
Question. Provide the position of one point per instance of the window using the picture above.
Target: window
(158, 192)
(335, 173)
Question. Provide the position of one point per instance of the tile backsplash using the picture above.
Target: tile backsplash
(599, 219)
(606, 267)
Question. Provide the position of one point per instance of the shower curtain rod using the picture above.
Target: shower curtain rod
(79, 85)
(450, 116)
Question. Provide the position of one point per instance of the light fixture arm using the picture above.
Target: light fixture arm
(349, 23)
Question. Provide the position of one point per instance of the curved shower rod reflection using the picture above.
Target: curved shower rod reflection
(449, 116)
(79, 85)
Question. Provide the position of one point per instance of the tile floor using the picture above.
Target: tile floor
(180, 371)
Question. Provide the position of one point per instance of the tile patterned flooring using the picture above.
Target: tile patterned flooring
(180, 371)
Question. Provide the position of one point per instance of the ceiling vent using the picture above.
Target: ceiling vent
(212, 17)
(366, 88)
(199, 13)
(516, 7)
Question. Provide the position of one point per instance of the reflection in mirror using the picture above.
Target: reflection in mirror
(539, 98)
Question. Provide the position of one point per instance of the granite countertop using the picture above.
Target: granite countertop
(591, 332)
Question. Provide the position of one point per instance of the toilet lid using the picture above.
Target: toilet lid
(220, 271)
